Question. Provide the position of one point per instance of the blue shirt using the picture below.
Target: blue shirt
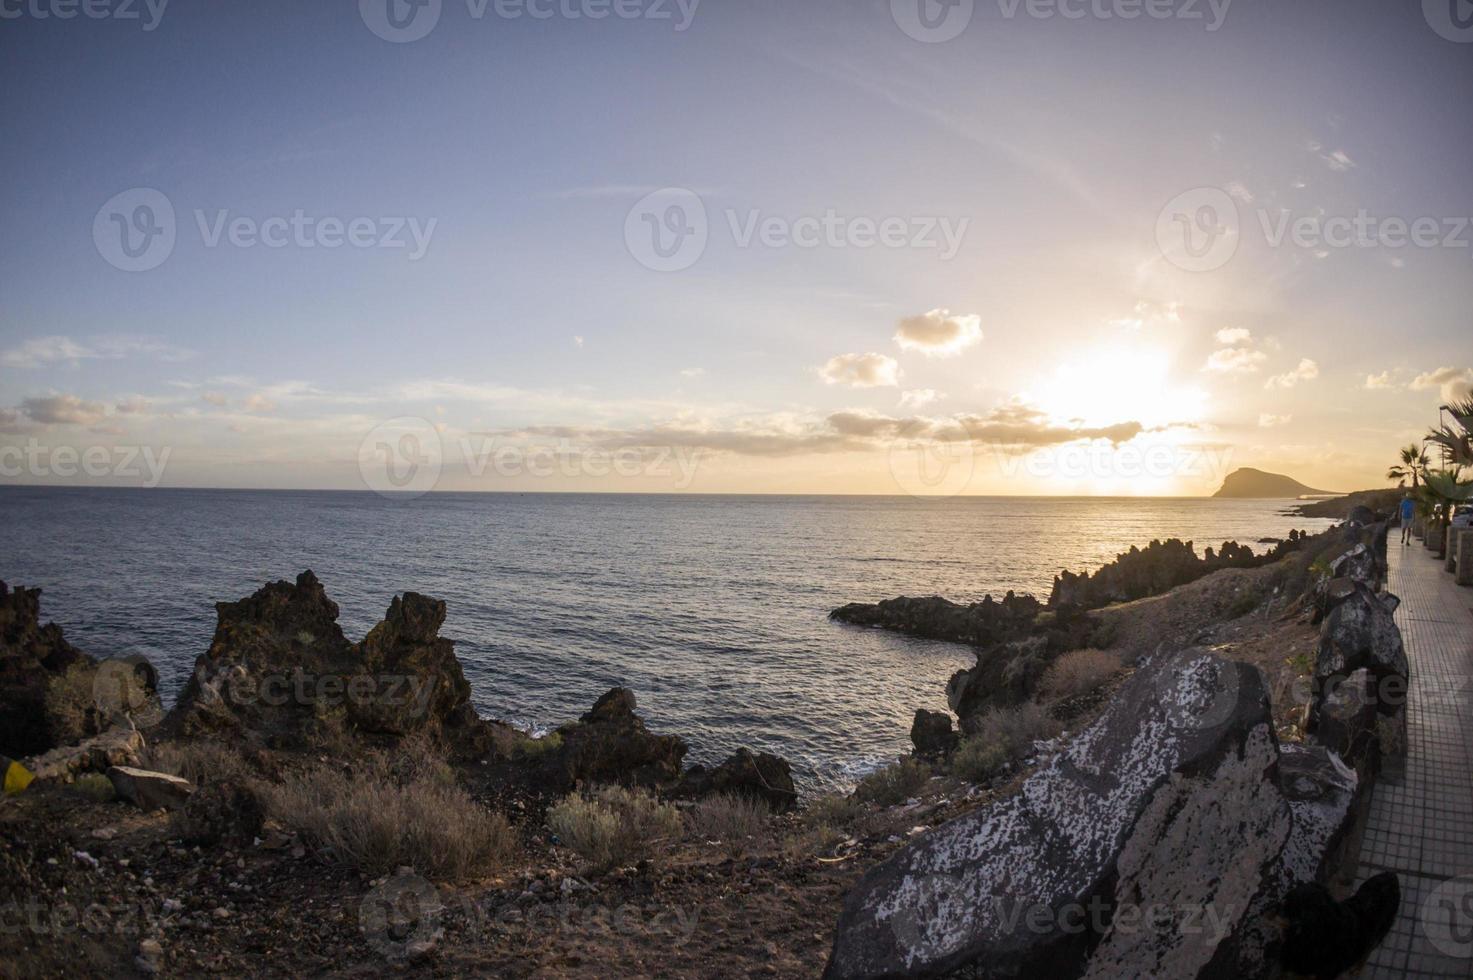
(1407, 507)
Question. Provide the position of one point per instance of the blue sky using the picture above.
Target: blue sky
(523, 319)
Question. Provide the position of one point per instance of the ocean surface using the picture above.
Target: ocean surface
(714, 610)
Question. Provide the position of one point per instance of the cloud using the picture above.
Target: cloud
(63, 410)
(938, 333)
(1338, 161)
(10, 421)
(214, 398)
(43, 351)
(1234, 336)
(1267, 421)
(258, 403)
(693, 372)
(919, 397)
(1453, 383)
(1007, 428)
(136, 405)
(868, 370)
(1307, 370)
(578, 341)
(1147, 312)
(1235, 360)
(1375, 382)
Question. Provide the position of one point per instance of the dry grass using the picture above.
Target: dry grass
(71, 705)
(737, 822)
(894, 784)
(833, 810)
(201, 762)
(612, 826)
(1001, 737)
(377, 824)
(1078, 672)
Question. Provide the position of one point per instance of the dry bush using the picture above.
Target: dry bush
(613, 826)
(71, 705)
(894, 784)
(377, 824)
(1078, 672)
(97, 786)
(833, 810)
(735, 821)
(1000, 737)
(200, 762)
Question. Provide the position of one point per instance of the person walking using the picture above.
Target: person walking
(1408, 509)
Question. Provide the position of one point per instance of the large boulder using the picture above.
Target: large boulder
(1359, 632)
(610, 744)
(981, 623)
(759, 776)
(1346, 721)
(279, 668)
(149, 790)
(1167, 804)
(932, 735)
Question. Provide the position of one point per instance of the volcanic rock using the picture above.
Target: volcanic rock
(32, 658)
(758, 776)
(932, 735)
(610, 744)
(149, 790)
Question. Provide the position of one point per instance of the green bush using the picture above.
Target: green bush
(1000, 737)
(612, 826)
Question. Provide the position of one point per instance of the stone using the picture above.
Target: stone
(610, 744)
(981, 623)
(1358, 633)
(1361, 516)
(1346, 722)
(114, 747)
(759, 776)
(220, 811)
(932, 735)
(1171, 792)
(33, 657)
(1465, 558)
(149, 790)
(1361, 565)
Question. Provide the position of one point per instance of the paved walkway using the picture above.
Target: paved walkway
(1421, 817)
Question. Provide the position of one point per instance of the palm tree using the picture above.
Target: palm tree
(1457, 445)
(1413, 463)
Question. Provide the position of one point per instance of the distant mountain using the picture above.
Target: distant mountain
(1248, 482)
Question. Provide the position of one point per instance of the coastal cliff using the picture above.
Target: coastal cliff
(1248, 482)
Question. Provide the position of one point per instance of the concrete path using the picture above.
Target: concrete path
(1421, 816)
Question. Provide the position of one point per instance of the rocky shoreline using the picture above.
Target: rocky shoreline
(313, 804)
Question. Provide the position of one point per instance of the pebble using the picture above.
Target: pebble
(220, 912)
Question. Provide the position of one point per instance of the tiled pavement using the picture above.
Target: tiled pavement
(1421, 817)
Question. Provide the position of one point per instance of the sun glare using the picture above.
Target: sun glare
(1111, 385)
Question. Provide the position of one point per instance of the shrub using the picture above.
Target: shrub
(376, 824)
(894, 784)
(1000, 737)
(613, 825)
(733, 820)
(833, 810)
(71, 706)
(97, 786)
(1078, 672)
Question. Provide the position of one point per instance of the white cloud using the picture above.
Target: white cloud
(1453, 383)
(63, 410)
(919, 397)
(258, 403)
(1376, 382)
(1338, 161)
(939, 333)
(1267, 421)
(43, 351)
(693, 372)
(1234, 335)
(578, 340)
(214, 398)
(1235, 360)
(136, 405)
(869, 370)
(1306, 370)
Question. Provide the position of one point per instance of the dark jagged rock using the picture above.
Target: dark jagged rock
(1159, 567)
(980, 623)
(1172, 792)
(1361, 515)
(932, 735)
(759, 776)
(32, 658)
(610, 744)
(1359, 633)
(279, 667)
(1346, 721)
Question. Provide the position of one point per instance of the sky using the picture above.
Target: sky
(993, 247)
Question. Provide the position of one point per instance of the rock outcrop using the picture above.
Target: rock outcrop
(1170, 799)
(149, 790)
(279, 668)
(610, 744)
(1359, 633)
(980, 623)
(759, 776)
(932, 735)
(33, 657)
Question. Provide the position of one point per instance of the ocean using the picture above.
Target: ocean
(713, 609)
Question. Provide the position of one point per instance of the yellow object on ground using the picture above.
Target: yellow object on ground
(17, 776)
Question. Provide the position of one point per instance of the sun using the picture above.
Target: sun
(1108, 385)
